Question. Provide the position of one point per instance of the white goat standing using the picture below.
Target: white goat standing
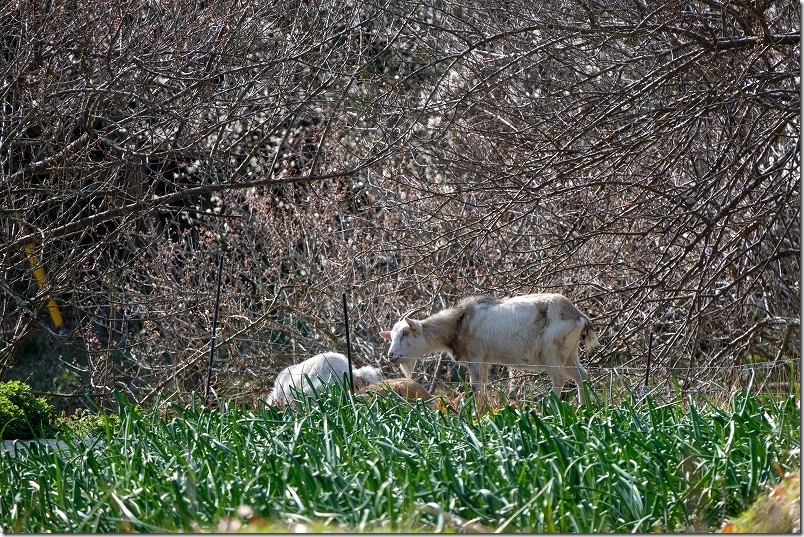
(322, 369)
(539, 332)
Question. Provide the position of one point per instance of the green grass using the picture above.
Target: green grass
(371, 464)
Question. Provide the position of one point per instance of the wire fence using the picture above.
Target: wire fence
(445, 376)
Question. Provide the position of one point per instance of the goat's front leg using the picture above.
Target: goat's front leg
(478, 378)
(478, 375)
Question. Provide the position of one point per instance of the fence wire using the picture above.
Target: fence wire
(445, 376)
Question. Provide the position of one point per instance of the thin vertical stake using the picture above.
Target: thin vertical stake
(348, 344)
(214, 326)
(650, 351)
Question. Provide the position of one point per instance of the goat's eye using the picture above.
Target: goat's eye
(404, 333)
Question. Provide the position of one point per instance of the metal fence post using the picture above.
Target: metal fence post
(214, 326)
(348, 344)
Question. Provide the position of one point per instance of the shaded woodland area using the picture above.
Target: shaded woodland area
(641, 158)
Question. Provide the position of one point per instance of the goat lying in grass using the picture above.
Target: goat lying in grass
(408, 389)
(312, 374)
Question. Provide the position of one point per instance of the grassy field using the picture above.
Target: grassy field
(382, 465)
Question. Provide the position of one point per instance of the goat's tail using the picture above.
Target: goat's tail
(589, 336)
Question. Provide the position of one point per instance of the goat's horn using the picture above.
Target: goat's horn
(407, 313)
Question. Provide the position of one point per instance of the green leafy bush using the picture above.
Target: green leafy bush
(22, 414)
(85, 424)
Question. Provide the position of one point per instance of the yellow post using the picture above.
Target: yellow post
(39, 274)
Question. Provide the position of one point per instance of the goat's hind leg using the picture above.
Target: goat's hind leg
(578, 374)
(564, 350)
(566, 366)
(557, 379)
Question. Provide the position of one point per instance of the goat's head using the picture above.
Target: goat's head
(407, 342)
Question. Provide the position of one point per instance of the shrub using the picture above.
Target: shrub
(22, 414)
(85, 424)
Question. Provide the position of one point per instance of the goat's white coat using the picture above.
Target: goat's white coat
(539, 332)
(322, 369)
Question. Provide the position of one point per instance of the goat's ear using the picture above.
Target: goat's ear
(385, 334)
(415, 326)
